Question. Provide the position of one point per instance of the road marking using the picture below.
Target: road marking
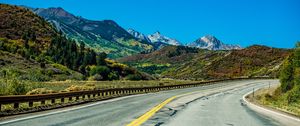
(267, 110)
(150, 113)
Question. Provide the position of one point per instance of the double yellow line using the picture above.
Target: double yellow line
(150, 113)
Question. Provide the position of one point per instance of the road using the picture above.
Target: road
(121, 111)
(222, 109)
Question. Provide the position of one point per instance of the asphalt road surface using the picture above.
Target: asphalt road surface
(121, 111)
(222, 109)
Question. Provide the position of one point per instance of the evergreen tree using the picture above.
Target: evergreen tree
(101, 59)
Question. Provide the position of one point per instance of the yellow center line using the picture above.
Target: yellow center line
(150, 113)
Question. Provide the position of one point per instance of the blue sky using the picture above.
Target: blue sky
(269, 22)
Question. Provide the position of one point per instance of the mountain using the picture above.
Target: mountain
(212, 43)
(138, 35)
(32, 50)
(157, 37)
(183, 62)
(24, 38)
(103, 36)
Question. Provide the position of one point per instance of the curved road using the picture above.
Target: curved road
(121, 111)
(222, 109)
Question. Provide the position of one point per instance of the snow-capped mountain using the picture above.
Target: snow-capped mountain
(138, 35)
(212, 43)
(102, 35)
(157, 37)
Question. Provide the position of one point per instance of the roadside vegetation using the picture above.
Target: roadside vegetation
(199, 64)
(287, 96)
(21, 87)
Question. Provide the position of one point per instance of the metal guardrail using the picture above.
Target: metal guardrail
(92, 94)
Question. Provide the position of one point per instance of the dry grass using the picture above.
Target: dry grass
(267, 97)
(62, 85)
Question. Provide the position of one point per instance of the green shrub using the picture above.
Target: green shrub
(102, 70)
(113, 76)
(96, 77)
(286, 75)
(36, 75)
(133, 77)
(63, 68)
(13, 87)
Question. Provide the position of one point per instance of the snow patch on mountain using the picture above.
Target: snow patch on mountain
(212, 43)
(138, 35)
(157, 37)
(154, 38)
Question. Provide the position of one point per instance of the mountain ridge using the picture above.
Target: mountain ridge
(181, 62)
(102, 36)
(156, 38)
(212, 43)
(33, 50)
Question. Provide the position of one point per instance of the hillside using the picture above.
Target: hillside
(191, 63)
(102, 36)
(286, 96)
(16, 66)
(30, 45)
(17, 23)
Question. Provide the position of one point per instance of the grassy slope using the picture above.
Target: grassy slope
(267, 97)
(205, 64)
(16, 22)
(287, 96)
(31, 70)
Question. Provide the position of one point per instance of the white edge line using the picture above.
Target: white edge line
(66, 110)
(267, 110)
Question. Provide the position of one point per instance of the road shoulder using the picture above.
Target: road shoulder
(280, 116)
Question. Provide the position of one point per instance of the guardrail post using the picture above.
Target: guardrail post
(43, 102)
(30, 104)
(77, 98)
(83, 96)
(16, 105)
(89, 96)
(70, 98)
(94, 95)
(62, 100)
